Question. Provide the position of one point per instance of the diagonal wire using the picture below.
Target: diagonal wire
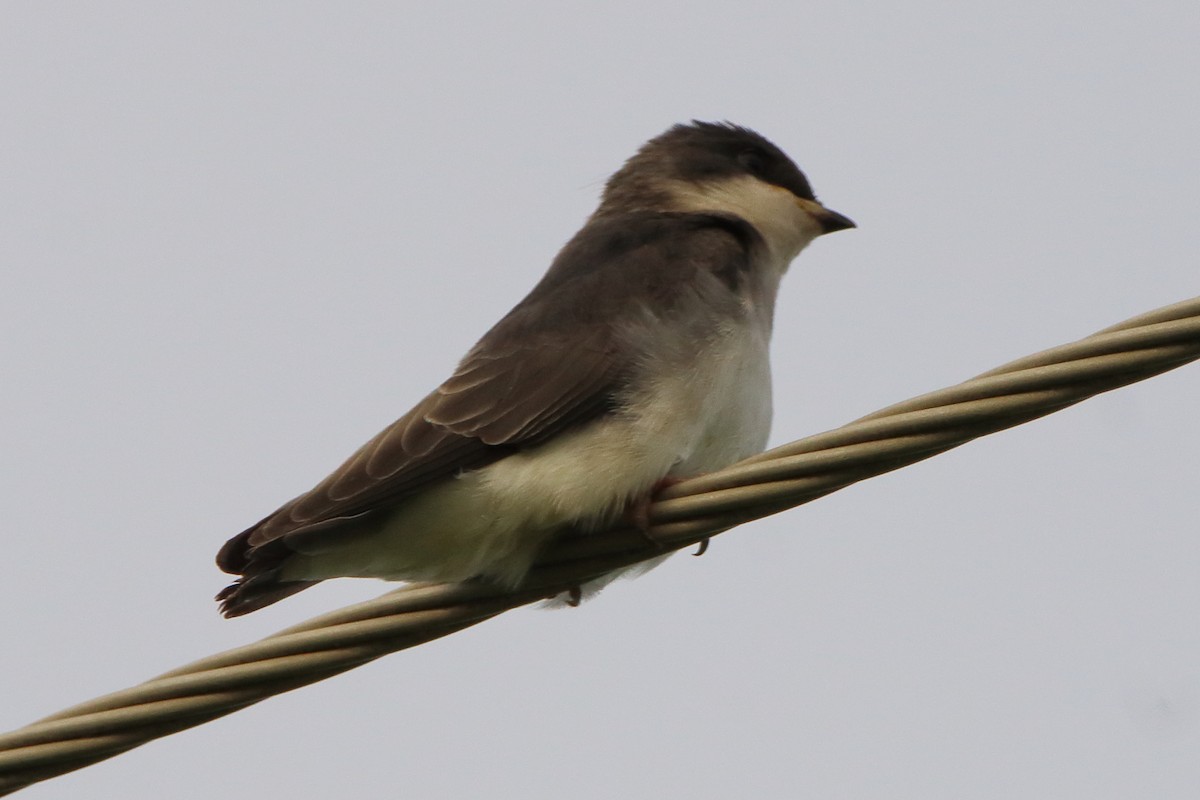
(684, 514)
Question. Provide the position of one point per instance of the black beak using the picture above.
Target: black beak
(831, 221)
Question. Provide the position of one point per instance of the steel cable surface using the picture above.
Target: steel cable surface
(686, 513)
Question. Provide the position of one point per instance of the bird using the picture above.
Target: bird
(640, 358)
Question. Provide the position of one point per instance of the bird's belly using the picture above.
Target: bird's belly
(492, 522)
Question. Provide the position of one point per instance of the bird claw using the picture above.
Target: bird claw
(638, 513)
(703, 548)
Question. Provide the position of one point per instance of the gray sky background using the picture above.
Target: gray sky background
(239, 238)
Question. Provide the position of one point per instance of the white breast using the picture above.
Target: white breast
(720, 411)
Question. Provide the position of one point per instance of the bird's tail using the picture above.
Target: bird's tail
(250, 593)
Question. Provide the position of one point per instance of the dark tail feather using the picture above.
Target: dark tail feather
(255, 592)
(259, 563)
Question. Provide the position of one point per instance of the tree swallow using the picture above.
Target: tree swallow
(641, 357)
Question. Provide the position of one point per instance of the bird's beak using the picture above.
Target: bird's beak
(828, 219)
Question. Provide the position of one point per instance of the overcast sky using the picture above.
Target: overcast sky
(239, 238)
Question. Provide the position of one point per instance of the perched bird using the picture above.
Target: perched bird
(640, 357)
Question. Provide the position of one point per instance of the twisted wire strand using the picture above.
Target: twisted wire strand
(684, 514)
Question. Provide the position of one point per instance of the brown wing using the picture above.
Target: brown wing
(507, 393)
(554, 362)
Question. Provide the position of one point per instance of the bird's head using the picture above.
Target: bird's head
(718, 167)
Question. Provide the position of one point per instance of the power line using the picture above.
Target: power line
(686, 513)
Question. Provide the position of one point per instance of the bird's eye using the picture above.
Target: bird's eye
(752, 161)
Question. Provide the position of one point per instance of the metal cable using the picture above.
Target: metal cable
(684, 514)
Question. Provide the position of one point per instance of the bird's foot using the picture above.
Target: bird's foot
(638, 513)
